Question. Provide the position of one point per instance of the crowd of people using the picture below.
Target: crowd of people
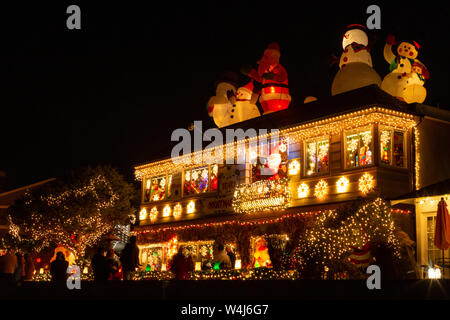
(15, 267)
(106, 264)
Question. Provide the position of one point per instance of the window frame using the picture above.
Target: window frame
(305, 157)
(372, 143)
(381, 128)
(209, 191)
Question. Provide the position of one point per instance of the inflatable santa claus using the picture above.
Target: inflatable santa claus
(273, 78)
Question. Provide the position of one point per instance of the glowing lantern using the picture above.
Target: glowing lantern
(85, 270)
(166, 211)
(342, 184)
(293, 168)
(303, 190)
(321, 189)
(366, 183)
(143, 214)
(198, 266)
(191, 207)
(41, 271)
(153, 214)
(163, 267)
(237, 264)
(177, 210)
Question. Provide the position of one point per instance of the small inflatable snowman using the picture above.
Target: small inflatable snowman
(355, 63)
(407, 74)
(220, 108)
(245, 102)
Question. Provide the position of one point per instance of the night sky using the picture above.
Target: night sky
(112, 92)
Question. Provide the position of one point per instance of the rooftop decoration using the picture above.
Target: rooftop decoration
(273, 78)
(407, 74)
(261, 195)
(355, 63)
(220, 107)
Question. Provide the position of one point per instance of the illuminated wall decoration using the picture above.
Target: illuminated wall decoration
(153, 214)
(329, 126)
(303, 190)
(317, 156)
(177, 211)
(358, 146)
(143, 214)
(342, 184)
(261, 195)
(166, 211)
(196, 181)
(366, 183)
(293, 167)
(321, 189)
(191, 207)
(147, 190)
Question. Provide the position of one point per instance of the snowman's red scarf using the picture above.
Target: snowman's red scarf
(358, 47)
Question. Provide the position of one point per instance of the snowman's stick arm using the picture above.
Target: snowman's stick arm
(387, 52)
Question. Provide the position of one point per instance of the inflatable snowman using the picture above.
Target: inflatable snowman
(355, 63)
(407, 74)
(245, 102)
(220, 108)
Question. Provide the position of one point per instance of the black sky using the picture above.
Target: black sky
(112, 92)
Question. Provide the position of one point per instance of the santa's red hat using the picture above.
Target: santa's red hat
(273, 46)
(248, 88)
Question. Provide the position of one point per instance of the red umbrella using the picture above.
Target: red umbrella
(442, 231)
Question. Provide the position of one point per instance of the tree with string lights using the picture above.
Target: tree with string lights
(74, 211)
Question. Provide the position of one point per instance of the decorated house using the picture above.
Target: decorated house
(370, 144)
(308, 183)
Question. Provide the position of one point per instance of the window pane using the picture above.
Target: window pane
(158, 189)
(399, 156)
(385, 146)
(352, 159)
(196, 181)
(147, 185)
(365, 150)
(311, 149)
(322, 156)
(214, 181)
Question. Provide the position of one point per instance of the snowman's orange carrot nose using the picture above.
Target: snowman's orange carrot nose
(346, 36)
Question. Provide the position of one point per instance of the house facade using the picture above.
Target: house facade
(326, 153)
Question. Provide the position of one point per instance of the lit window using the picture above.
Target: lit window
(158, 188)
(392, 146)
(317, 156)
(271, 160)
(358, 147)
(200, 180)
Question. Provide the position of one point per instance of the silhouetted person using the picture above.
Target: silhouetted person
(114, 265)
(130, 258)
(232, 256)
(29, 267)
(222, 258)
(8, 264)
(58, 268)
(19, 271)
(100, 266)
(181, 266)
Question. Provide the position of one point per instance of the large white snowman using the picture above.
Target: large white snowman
(355, 65)
(220, 107)
(230, 106)
(408, 74)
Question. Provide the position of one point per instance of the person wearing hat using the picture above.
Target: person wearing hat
(273, 77)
